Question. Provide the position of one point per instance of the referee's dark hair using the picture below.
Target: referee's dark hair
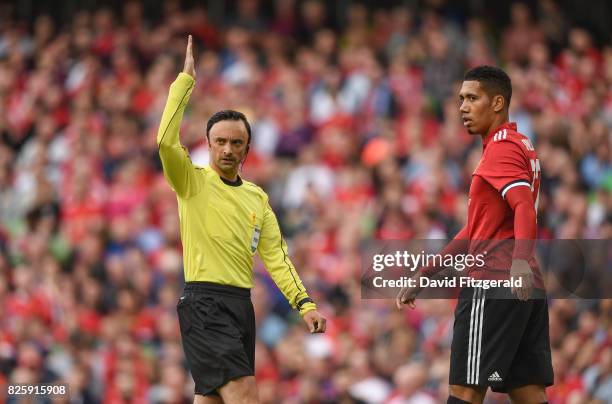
(493, 80)
(227, 115)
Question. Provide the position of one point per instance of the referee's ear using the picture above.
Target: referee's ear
(246, 153)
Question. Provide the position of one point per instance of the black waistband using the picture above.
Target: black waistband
(216, 288)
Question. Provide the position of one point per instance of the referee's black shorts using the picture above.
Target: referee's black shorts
(500, 341)
(218, 333)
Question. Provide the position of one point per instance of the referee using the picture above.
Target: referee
(224, 221)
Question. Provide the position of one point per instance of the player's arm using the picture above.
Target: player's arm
(520, 201)
(273, 252)
(178, 169)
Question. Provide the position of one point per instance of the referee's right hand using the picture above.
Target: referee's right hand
(189, 66)
(315, 321)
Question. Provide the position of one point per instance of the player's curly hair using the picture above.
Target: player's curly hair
(493, 80)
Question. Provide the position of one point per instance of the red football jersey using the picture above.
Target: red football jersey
(508, 160)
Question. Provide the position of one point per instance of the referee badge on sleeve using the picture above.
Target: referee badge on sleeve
(255, 239)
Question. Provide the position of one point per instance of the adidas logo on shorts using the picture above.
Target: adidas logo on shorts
(495, 377)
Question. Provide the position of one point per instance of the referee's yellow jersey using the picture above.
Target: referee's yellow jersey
(222, 224)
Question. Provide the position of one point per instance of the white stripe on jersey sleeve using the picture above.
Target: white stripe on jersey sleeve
(512, 185)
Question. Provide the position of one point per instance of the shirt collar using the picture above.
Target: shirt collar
(236, 183)
(507, 125)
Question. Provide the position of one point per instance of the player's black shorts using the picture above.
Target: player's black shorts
(218, 333)
(500, 341)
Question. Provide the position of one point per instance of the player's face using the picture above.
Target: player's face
(476, 107)
(228, 146)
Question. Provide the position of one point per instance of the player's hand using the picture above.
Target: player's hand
(189, 67)
(315, 321)
(408, 295)
(521, 270)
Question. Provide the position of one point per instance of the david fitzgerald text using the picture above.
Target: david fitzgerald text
(447, 282)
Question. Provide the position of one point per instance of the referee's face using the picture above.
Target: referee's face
(228, 147)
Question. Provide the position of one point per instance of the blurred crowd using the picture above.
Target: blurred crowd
(356, 137)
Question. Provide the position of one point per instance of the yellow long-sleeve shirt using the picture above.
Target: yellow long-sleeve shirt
(222, 224)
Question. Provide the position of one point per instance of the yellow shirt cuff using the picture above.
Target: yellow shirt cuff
(306, 307)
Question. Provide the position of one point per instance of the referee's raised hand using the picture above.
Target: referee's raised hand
(189, 67)
(315, 321)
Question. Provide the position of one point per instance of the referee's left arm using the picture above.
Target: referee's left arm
(273, 251)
